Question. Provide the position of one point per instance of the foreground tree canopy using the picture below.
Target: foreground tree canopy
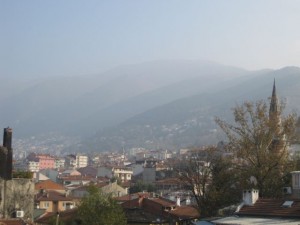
(259, 140)
(210, 179)
(98, 208)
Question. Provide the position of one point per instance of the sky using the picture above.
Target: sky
(78, 37)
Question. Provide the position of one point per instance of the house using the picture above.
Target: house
(167, 185)
(81, 161)
(49, 185)
(37, 176)
(75, 180)
(33, 165)
(51, 173)
(121, 172)
(67, 216)
(71, 172)
(88, 171)
(106, 187)
(70, 161)
(76, 161)
(59, 162)
(114, 189)
(156, 210)
(149, 173)
(268, 210)
(53, 201)
(40, 161)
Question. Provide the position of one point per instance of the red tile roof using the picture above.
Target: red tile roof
(52, 196)
(63, 215)
(11, 222)
(163, 202)
(132, 196)
(272, 207)
(48, 185)
(185, 212)
(160, 207)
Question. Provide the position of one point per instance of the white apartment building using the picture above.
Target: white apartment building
(81, 161)
(123, 173)
(59, 163)
(33, 166)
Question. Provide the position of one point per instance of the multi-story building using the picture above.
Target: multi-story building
(46, 161)
(70, 161)
(59, 163)
(81, 161)
(53, 201)
(123, 173)
(33, 165)
(38, 162)
(76, 161)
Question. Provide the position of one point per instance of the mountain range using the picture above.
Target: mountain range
(159, 104)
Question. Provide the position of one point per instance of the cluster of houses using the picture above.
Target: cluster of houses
(58, 184)
(60, 190)
(56, 193)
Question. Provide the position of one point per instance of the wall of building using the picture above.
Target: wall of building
(16, 195)
(149, 174)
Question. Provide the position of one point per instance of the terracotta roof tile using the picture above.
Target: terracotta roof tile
(11, 222)
(132, 196)
(272, 207)
(185, 212)
(52, 196)
(48, 185)
(163, 202)
(63, 215)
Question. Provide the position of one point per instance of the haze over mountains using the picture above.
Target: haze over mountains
(159, 104)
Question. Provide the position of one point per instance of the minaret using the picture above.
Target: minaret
(274, 102)
(275, 122)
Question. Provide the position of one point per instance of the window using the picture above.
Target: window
(46, 205)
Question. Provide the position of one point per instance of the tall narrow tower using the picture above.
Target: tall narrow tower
(6, 155)
(278, 141)
(274, 112)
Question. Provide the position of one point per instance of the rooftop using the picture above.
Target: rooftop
(272, 208)
(48, 185)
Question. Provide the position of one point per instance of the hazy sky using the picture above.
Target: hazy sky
(74, 37)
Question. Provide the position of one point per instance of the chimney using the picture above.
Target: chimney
(188, 200)
(250, 196)
(6, 155)
(7, 137)
(296, 184)
(177, 201)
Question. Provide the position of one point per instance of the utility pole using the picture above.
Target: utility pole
(57, 218)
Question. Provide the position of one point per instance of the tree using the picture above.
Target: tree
(210, 179)
(98, 208)
(259, 141)
(140, 186)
